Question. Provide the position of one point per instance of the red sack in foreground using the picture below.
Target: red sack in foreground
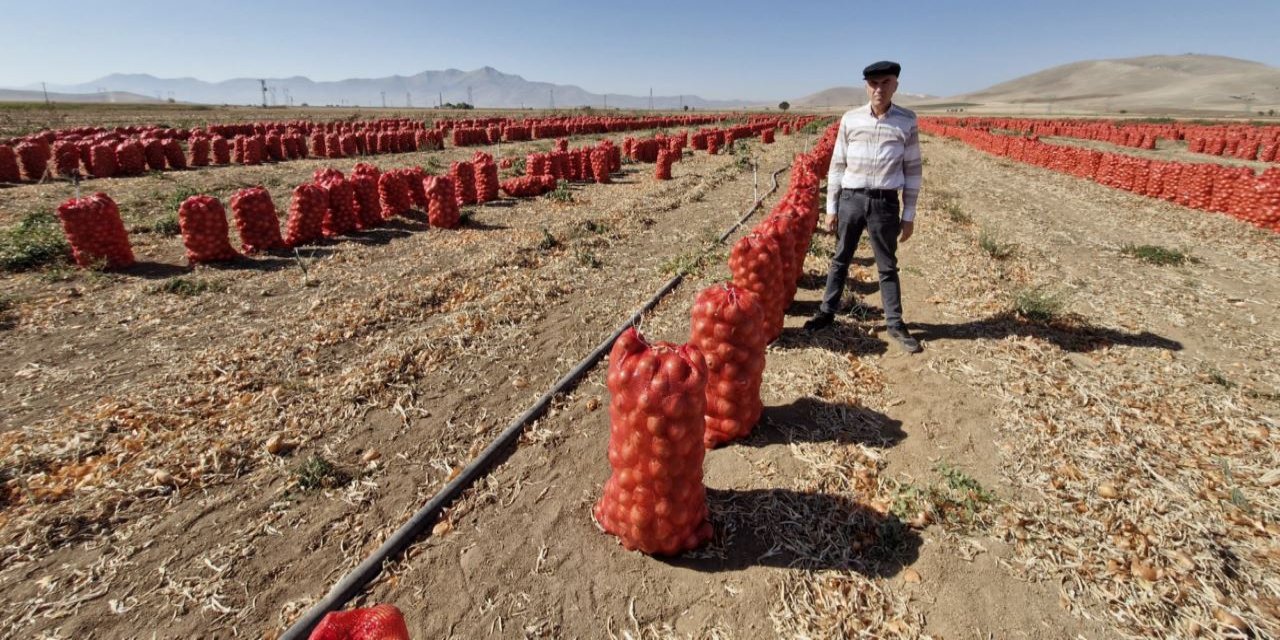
(464, 182)
(306, 215)
(756, 264)
(654, 500)
(728, 328)
(203, 222)
(95, 231)
(256, 220)
(379, 622)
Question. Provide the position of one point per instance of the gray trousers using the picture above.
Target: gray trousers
(879, 216)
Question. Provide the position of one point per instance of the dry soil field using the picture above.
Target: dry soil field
(1086, 448)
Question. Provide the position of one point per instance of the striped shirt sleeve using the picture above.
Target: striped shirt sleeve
(836, 170)
(912, 174)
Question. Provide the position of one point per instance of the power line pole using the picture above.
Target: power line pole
(264, 93)
(45, 89)
(651, 98)
(408, 99)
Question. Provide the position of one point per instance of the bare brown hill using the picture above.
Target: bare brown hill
(1189, 83)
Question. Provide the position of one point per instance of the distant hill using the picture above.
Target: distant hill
(121, 97)
(483, 87)
(852, 97)
(1147, 83)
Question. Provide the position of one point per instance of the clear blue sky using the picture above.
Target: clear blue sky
(751, 49)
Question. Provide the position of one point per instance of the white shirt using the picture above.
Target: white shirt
(877, 153)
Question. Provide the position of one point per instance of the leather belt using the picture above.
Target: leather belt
(880, 194)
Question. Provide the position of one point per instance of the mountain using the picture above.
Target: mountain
(1189, 82)
(122, 97)
(852, 97)
(483, 87)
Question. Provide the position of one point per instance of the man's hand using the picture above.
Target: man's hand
(830, 224)
(908, 226)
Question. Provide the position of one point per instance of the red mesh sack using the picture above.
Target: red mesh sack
(66, 158)
(393, 195)
(368, 209)
(600, 165)
(654, 500)
(528, 186)
(756, 263)
(442, 203)
(412, 177)
(306, 215)
(221, 151)
(275, 147)
(766, 136)
(464, 182)
(713, 146)
(340, 219)
(728, 328)
(254, 150)
(102, 163)
(366, 169)
(95, 232)
(173, 154)
(256, 220)
(9, 165)
(379, 622)
(487, 181)
(333, 146)
(153, 154)
(34, 158)
(562, 144)
(204, 230)
(780, 230)
(585, 168)
(662, 170)
(317, 144)
(130, 159)
(348, 143)
(200, 148)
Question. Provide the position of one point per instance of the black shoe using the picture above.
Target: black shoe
(909, 344)
(820, 320)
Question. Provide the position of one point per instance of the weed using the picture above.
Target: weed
(165, 225)
(592, 226)
(35, 242)
(176, 198)
(1217, 378)
(958, 500)
(956, 213)
(685, 264)
(188, 287)
(548, 241)
(1037, 304)
(1154, 254)
(588, 259)
(561, 193)
(994, 247)
(317, 473)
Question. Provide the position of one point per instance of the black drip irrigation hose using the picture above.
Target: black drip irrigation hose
(364, 573)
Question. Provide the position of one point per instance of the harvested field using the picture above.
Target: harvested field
(1087, 447)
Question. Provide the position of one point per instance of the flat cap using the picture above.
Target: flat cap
(882, 68)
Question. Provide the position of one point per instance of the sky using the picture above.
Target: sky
(749, 49)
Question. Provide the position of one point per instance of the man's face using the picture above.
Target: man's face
(880, 89)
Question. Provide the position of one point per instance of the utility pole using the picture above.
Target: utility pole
(408, 99)
(651, 98)
(46, 93)
(440, 99)
(264, 93)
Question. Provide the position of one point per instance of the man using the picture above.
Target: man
(877, 153)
